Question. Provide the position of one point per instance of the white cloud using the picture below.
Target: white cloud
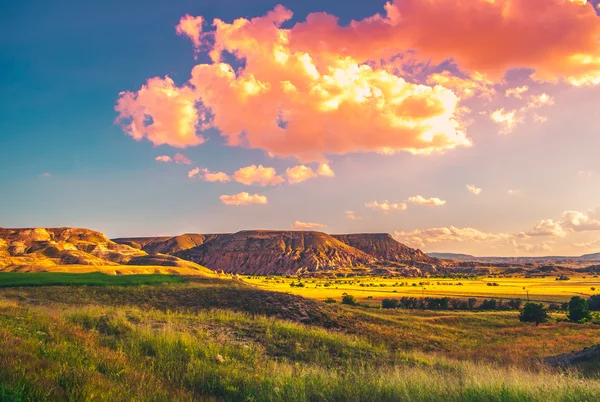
(547, 227)
(421, 237)
(429, 202)
(473, 189)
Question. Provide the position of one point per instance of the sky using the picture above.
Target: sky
(463, 126)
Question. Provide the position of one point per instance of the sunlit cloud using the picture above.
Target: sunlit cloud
(294, 96)
(257, 175)
(209, 176)
(420, 238)
(516, 92)
(547, 227)
(514, 192)
(428, 202)
(325, 170)
(508, 120)
(298, 174)
(243, 198)
(353, 216)
(386, 206)
(308, 225)
(474, 189)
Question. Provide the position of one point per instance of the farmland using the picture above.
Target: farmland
(372, 290)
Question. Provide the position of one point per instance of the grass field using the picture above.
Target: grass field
(371, 290)
(111, 269)
(220, 339)
(16, 279)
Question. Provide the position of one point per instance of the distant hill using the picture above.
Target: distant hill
(39, 248)
(453, 256)
(289, 252)
(260, 252)
(591, 257)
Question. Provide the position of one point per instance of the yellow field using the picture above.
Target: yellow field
(113, 269)
(377, 288)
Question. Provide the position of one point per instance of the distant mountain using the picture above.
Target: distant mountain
(289, 252)
(37, 248)
(591, 257)
(453, 256)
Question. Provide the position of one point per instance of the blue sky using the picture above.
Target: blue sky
(64, 161)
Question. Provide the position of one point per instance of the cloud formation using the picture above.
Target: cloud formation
(177, 158)
(428, 202)
(419, 238)
(325, 170)
(257, 175)
(300, 173)
(209, 176)
(386, 206)
(308, 225)
(243, 198)
(283, 91)
(353, 216)
(473, 189)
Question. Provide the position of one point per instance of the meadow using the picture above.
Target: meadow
(372, 289)
(16, 279)
(222, 339)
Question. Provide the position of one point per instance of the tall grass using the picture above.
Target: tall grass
(128, 353)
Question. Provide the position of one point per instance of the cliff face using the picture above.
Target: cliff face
(384, 247)
(46, 247)
(275, 252)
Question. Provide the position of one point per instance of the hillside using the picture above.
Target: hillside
(384, 247)
(39, 249)
(165, 245)
(275, 252)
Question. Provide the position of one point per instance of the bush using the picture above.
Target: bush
(349, 299)
(578, 310)
(329, 300)
(594, 303)
(389, 303)
(515, 304)
(534, 312)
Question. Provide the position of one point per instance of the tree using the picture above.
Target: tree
(349, 299)
(471, 303)
(515, 304)
(534, 312)
(579, 310)
(389, 303)
(594, 303)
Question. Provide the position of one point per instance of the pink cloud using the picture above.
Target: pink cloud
(243, 199)
(161, 112)
(325, 170)
(192, 28)
(209, 176)
(163, 158)
(386, 206)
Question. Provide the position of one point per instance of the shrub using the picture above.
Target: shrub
(329, 300)
(349, 299)
(534, 312)
(471, 303)
(578, 310)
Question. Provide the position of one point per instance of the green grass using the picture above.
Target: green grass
(23, 279)
(160, 343)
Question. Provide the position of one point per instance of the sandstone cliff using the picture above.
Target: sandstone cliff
(275, 252)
